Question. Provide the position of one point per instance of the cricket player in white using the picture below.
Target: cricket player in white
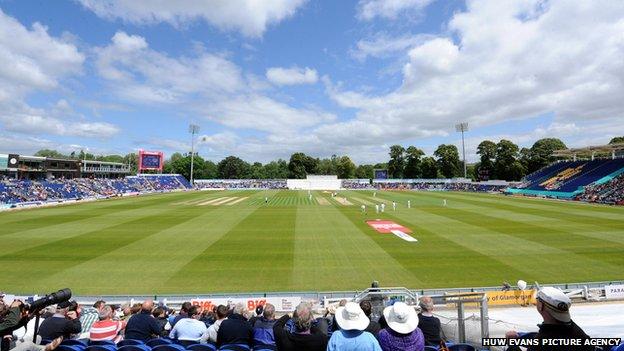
(363, 208)
(444, 202)
(383, 207)
(375, 194)
(393, 205)
(409, 204)
(266, 200)
(376, 208)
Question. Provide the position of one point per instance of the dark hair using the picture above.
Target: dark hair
(222, 311)
(193, 310)
(366, 307)
(99, 304)
(157, 312)
(186, 307)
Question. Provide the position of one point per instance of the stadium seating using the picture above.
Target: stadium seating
(242, 184)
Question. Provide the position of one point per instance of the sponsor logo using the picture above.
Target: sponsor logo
(387, 226)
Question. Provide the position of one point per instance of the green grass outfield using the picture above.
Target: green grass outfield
(193, 243)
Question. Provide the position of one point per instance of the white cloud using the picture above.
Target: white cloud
(32, 123)
(383, 45)
(291, 76)
(250, 17)
(507, 60)
(390, 9)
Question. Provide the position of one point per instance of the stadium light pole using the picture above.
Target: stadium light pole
(463, 127)
(193, 129)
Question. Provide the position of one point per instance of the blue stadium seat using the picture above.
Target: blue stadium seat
(265, 348)
(141, 347)
(235, 347)
(431, 348)
(102, 343)
(461, 347)
(202, 347)
(169, 347)
(618, 348)
(101, 348)
(74, 342)
(130, 342)
(70, 348)
(157, 342)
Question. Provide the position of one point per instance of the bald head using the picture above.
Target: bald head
(147, 305)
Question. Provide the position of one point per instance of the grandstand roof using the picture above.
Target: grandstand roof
(589, 150)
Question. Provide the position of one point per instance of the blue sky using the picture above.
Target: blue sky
(265, 79)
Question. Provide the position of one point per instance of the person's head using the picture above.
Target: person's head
(185, 307)
(99, 304)
(105, 312)
(259, 310)
(158, 312)
(426, 304)
(194, 312)
(239, 308)
(63, 307)
(269, 311)
(366, 307)
(351, 317)
(553, 305)
(401, 318)
(126, 309)
(303, 322)
(147, 305)
(342, 303)
(222, 311)
(136, 308)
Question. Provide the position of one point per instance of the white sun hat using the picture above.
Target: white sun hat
(401, 318)
(351, 317)
(557, 303)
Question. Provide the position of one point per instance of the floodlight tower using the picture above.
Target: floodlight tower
(463, 127)
(193, 129)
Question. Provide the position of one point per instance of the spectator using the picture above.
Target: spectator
(91, 315)
(304, 337)
(554, 307)
(189, 330)
(235, 329)
(402, 332)
(62, 323)
(213, 330)
(161, 318)
(143, 326)
(373, 326)
(428, 324)
(263, 327)
(186, 306)
(106, 328)
(351, 336)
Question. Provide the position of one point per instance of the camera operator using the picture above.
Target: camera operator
(63, 323)
(12, 318)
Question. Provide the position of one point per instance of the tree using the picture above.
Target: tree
(397, 161)
(429, 168)
(364, 172)
(276, 169)
(541, 153)
(210, 170)
(183, 166)
(487, 152)
(301, 164)
(256, 171)
(617, 140)
(49, 153)
(412, 163)
(508, 166)
(448, 160)
(232, 167)
(132, 159)
(346, 168)
(328, 165)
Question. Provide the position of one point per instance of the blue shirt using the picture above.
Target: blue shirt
(188, 329)
(356, 340)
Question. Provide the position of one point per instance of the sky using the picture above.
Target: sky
(266, 78)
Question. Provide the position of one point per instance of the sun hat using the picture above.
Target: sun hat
(351, 317)
(557, 303)
(401, 318)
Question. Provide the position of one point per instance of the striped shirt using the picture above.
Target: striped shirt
(88, 316)
(105, 330)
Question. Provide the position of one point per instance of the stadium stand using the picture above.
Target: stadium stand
(610, 192)
(438, 185)
(241, 184)
(27, 191)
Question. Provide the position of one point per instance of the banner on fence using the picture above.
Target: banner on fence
(281, 303)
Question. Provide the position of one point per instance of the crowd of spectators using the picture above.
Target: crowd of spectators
(611, 192)
(357, 184)
(242, 184)
(14, 191)
(439, 186)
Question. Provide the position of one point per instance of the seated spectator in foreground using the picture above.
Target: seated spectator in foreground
(373, 327)
(106, 328)
(143, 326)
(402, 332)
(211, 334)
(351, 336)
(63, 323)
(184, 309)
(90, 315)
(263, 327)
(304, 337)
(188, 331)
(554, 307)
(161, 318)
(235, 329)
(428, 323)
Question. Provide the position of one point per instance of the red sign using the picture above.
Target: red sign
(387, 226)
